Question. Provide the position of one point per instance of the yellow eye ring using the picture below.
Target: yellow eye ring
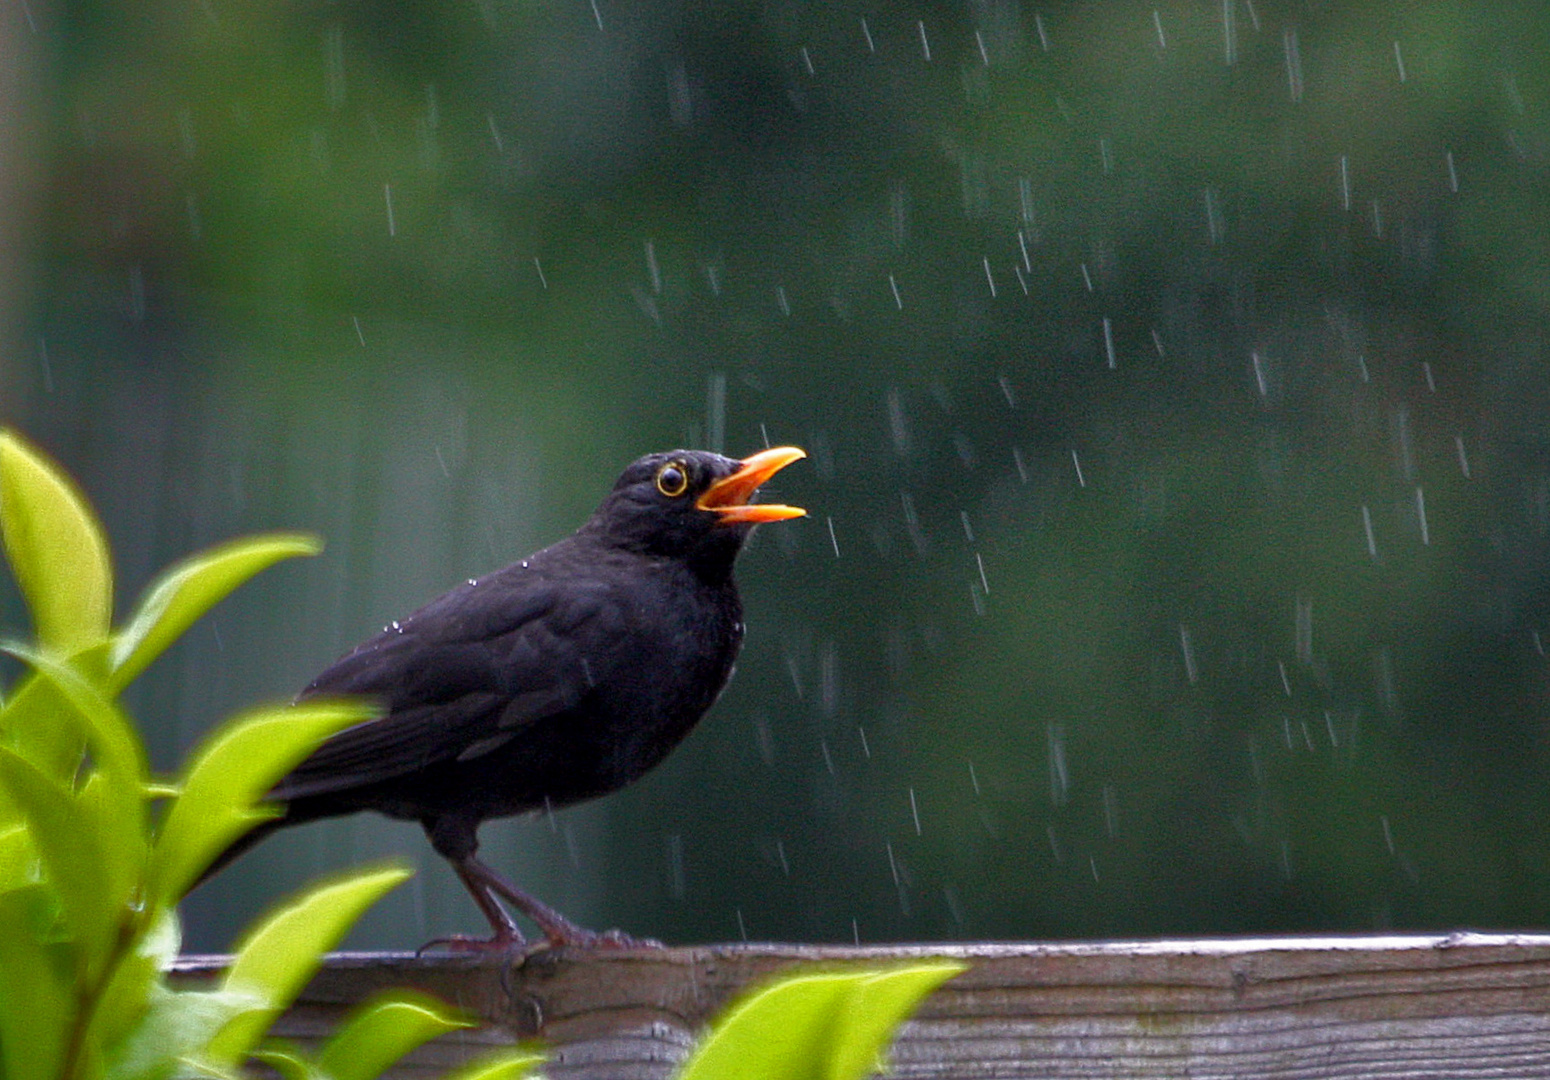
(673, 479)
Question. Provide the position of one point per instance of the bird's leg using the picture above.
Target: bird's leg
(506, 932)
(486, 884)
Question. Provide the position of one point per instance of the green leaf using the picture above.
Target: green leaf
(170, 1037)
(278, 957)
(832, 1026)
(502, 1065)
(123, 1004)
(289, 1062)
(379, 1033)
(70, 851)
(36, 994)
(233, 771)
(31, 725)
(56, 549)
(109, 802)
(18, 858)
(189, 589)
(104, 726)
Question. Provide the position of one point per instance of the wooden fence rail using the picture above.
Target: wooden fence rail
(1459, 1006)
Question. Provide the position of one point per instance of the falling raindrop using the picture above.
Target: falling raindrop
(1215, 229)
(1293, 63)
(1059, 776)
(1303, 622)
(716, 411)
(653, 271)
(1187, 645)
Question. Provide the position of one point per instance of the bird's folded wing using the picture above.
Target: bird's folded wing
(459, 678)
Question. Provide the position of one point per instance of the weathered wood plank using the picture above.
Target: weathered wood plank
(1458, 1006)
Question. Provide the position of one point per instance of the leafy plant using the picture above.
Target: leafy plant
(815, 1026)
(90, 876)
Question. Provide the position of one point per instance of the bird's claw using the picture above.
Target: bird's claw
(572, 938)
(467, 944)
(577, 938)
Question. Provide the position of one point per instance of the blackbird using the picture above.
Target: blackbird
(563, 677)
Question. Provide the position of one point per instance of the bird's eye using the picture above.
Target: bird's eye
(672, 479)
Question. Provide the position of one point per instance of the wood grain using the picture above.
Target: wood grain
(1458, 1006)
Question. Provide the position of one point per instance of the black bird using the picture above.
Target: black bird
(563, 677)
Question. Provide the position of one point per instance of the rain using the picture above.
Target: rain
(1174, 379)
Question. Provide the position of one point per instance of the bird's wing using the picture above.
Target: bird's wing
(460, 677)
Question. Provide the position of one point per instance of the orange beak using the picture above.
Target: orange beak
(729, 496)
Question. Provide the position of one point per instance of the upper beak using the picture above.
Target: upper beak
(729, 496)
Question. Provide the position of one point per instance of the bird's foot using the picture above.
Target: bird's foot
(576, 937)
(572, 937)
(467, 944)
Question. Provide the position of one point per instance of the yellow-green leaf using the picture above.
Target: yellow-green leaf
(827, 1026)
(189, 589)
(502, 1065)
(36, 995)
(18, 858)
(281, 954)
(56, 549)
(380, 1032)
(233, 771)
(103, 724)
(70, 851)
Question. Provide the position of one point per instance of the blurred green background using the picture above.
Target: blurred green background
(1174, 376)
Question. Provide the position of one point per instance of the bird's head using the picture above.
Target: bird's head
(692, 503)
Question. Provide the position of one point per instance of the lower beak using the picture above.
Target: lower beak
(729, 496)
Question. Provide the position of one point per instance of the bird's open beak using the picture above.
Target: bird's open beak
(729, 496)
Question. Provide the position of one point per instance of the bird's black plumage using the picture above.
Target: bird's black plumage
(562, 677)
